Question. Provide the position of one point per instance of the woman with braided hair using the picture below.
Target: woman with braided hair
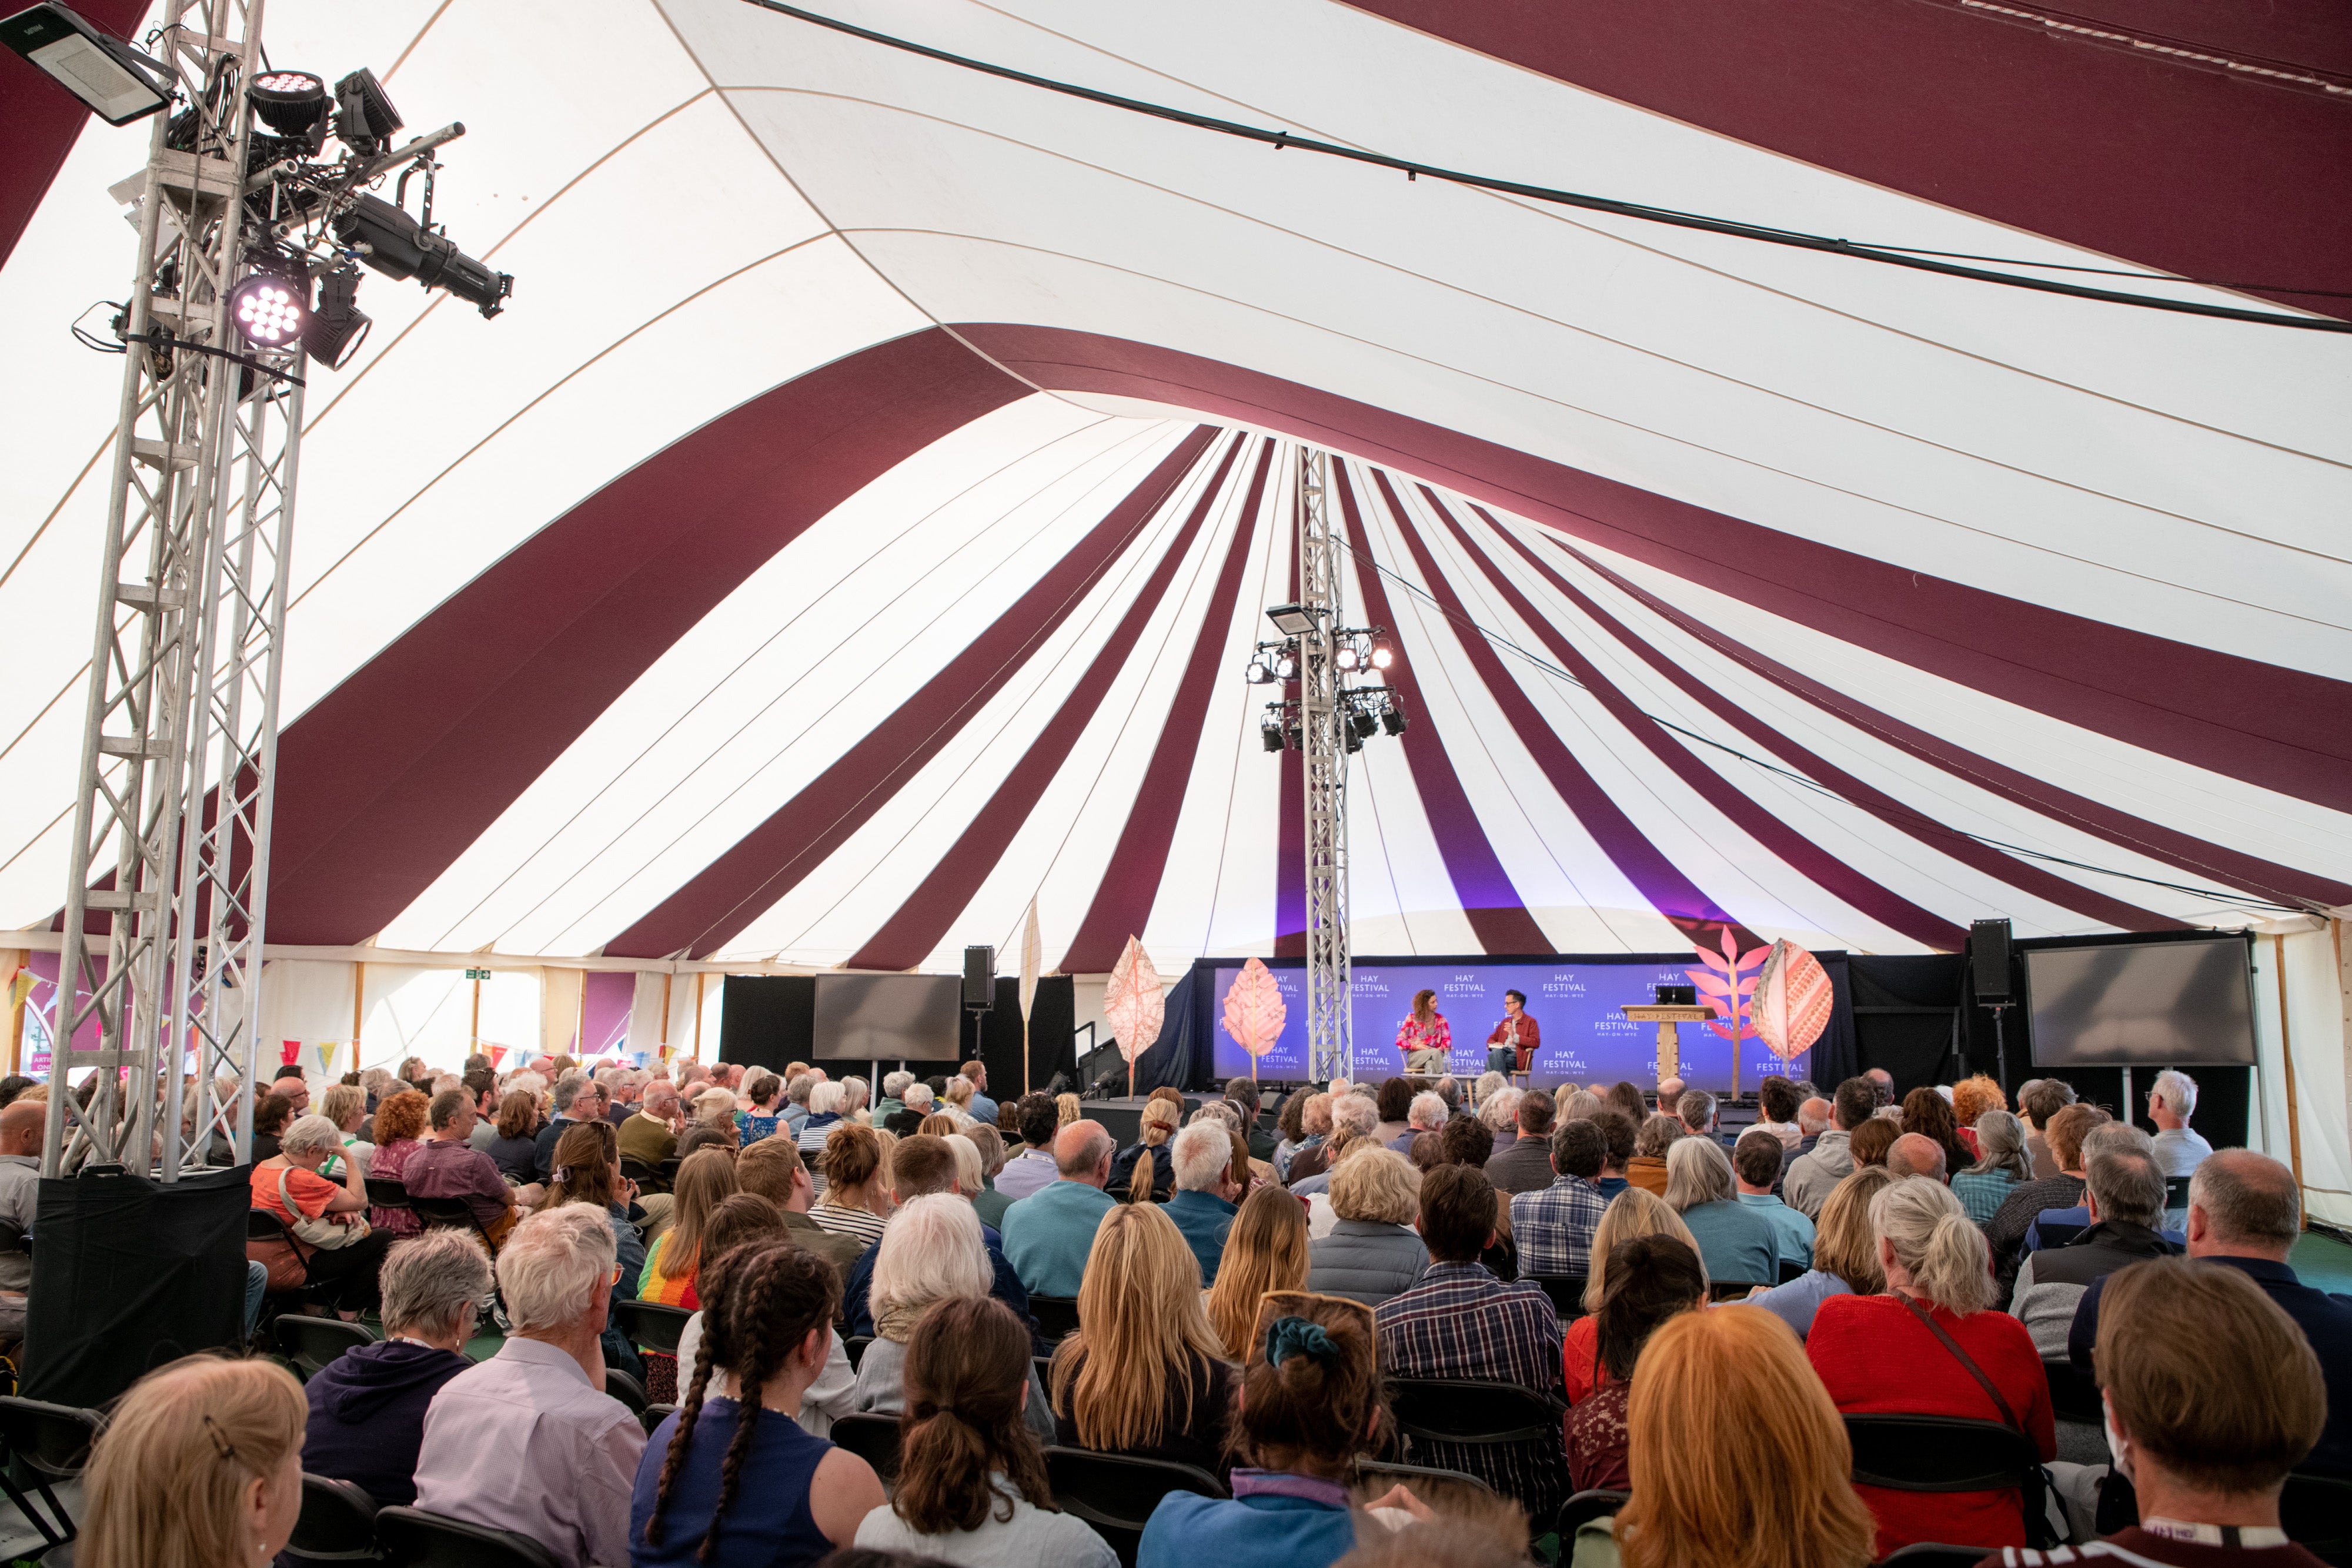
(730, 1476)
(971, 1479)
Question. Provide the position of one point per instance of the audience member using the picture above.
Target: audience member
(1634, 1212)
(398, 1121)
(1553, 1226)
(528, 1440)
(1806, 1186)
(2000, 1165)
(200, 1466)
(2006, 1230)
(1048, 1234)
(1814, 1117)
(1916, 1154)
(1310, 1403)
(1145, 1171)
(367, 1406)
(577, 1099)
(1651, 1279)
(1670, 1096)
(854, 1200)
(1030, 1165)
(1427, 1114)
(1694, 1109)
(1627, 1098)
(650, 1134)
(825, 1103)
(514, 1141)
(2038, 1104)
(447, 1165)
(1290, 1123)
(1619, 1133)
(773, 1169)
(1955, 1358)
(1971, 1098)
(1845, 1254)
(922, 1166)
(1500, 1112)
(1144, 1374)
(2125, 1193)
(271, 1114)
(1929, 1114)
(1525, 1165)
(989, 1202)
(1733, 1386)
(1647, 1168)
(730, 1475)
(932, 1252)
(1459, 1322)
(346, 1105)
(2171, 1103)
(1208, 1191)
(748, 1220)
(587, 1169)
(1736, 1241)
(1870, 1142)
(1393, 1100)
(1756, 1169)
(343, 1259)
(1371, 1252)
(1776, 1112)
(705, 1178)
(1265, 1251)
(1354, 1122)
(894, 1088)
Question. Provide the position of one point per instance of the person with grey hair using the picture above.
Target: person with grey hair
(1579, 1106)
(287, 1185)
(1916, 1154)
(1735, 1241)
(921, 1100)
(1426, 1113)
(578, 1098)
(1354, 1119)
(2001, 1164)
(1488, 1086)
(932, 1252)
(989, 1203)
(1313, 1155)
(367, 1404)
(1208, 1190)
(529, 1440)
(894, 1089)
(2170, 1103)
(794, 1108)
(2126, 1198)
(1448, 1087)
(2058, 1226)
(1499, 1113)
(854, 1095)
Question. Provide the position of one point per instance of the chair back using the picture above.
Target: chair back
(2176, 1193)
(648, 1177)
(1733, 1290)
(388, 1192)
(2074, 1392)
(651, 1325)
(311, 1342)
(1057, 1316)
(1792, 1270)
(2317, 1513)
(1116, 1493)
(416, 1539)
(54, 1439)
(626, 1389)
(1587, 1506)
(1935, 1554)
(653, 1415)
(1946, 1453)
(263, 1225)
(2058, 1232)
(443, 1213)
(1455, 1410)
(1566, 1290)
(872, 1437)
(854, 1347)
(337, 1524)
(1373, 1472)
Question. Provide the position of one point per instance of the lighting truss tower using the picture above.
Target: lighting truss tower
(179, 735)
(1330, 1042)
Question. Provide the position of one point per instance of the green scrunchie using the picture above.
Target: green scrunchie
(1286, 1337)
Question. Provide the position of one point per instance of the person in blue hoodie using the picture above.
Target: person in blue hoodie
(367, 1406)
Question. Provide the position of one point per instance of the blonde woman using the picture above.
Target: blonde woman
(1845, 1254)
(1145, 1171)
(1631, 1213)
(1144, 1374)
(200, 1467)
(1372, 1253)
(1732, 1387)
(1265, 1250)
(932, 1253)
(345, 1105)
(857, 1196)
(1735, 1239)
(1069, 1108)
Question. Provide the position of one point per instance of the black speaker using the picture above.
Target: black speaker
(979, 978)
(1989, 961)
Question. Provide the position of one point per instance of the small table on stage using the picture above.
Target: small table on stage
(1670, 1054)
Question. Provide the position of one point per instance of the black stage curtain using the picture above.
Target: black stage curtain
(767, 1021)
(1053, 1018)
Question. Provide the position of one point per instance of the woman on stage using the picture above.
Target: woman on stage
(1425, 1038)
(1517, 1035)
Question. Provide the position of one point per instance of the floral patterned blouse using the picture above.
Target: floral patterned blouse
(1434, 1035)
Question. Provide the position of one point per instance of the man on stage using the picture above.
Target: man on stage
(1512, 1047)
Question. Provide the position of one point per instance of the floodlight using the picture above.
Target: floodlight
(337, 327)
(290, 103)
(1291, 620)
(1269, 731)
(1258, 673)
(1393, 719)
(1360, 725)
(364, 117)
(1382, 655)
(270, 309)
(397, 245)
(1286, 665)
(1346, 658)
(116, 81)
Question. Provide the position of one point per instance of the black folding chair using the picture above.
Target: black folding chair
(52, 1442)
(1946, 1453)
(311, 1342)
(1584, 1507)
(1116, 1493)
(450, 1214)
(2317, 1513)
(1566, 1290)
(1057, 1316)
(1934, 1554)
(626, 1389)
(337, 1524)
(1792, 1270)
(653, 1415)
(854, 1347)
(653, 1326)
(2176, 1193)
(2074, 1392)
(648, 1177)
(1459, 1410)
(1371, 1472)
(388, 1192)
(872, 1437)
(416, 1539)
(1733, 1290)
(262, 1225)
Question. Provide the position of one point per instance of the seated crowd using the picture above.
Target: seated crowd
(1662, 1310)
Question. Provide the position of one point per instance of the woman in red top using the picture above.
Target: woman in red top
(1425, 1038)
(291, 1178)
(399, 1123)
(1878, 1356)
(1631, 1213)
(1651, 1279)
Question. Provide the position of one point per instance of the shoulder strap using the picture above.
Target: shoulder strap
(2009, 1416)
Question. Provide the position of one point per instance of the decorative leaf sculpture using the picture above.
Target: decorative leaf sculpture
(1727, 984)
(1792, 1000)
(1029, 948)
(1253, 1012)
(1133, 1005)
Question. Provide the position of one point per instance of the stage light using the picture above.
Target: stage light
(365, 118)
(270, 309)
(1382, 655)
(397, 245)
(290, 103)
(116, 81)
(1360, 725)
(1286, 665)
(337, 327)
(1258, 673)
(1269, 732)
(1347, 658)
(1291, 620)
(1392, 720)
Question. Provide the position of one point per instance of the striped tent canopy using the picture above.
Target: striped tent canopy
(856, 526)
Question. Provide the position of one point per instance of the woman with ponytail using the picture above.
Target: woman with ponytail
(1145, 1171)
(1310, 1405)
(1932, 1323)
(971, 1479)
(731, 1477)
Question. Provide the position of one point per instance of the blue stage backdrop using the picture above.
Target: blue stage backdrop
(1575, 998)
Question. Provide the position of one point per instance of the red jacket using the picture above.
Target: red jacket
(1530, 1038)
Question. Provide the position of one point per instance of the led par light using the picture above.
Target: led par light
(1287, 665)
(270, 309)
(117, 82)
(1382, 655)
(290, 103)
(1346, 658)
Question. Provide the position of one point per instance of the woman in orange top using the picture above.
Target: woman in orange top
(289, 1186)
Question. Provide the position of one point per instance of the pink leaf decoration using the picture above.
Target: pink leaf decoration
(1132, 1003)
(1254, 1009)
(1719, 966)
(1753, 956)
(1728, 986)
(1792, 1000)
(1708, 985)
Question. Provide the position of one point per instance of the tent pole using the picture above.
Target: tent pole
(2287, 1060)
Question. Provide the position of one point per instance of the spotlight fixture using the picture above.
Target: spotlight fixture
(365, 118)
(1286, 665)
(1347, 658)
(1382, 655)
(291, 104)
(336, 329)
(1291, 620)
(1269, 728)
(1259, 673)
(1393, 719)
(116, 81)
(1361, 726)
(397, 245)
(270, 309)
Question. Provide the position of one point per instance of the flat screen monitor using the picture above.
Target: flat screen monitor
(2154, 1004)
(888, 1018)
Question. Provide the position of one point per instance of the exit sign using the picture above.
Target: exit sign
(478, 974)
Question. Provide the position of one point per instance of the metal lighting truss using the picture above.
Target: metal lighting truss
(1330, 1043)
(179, 735)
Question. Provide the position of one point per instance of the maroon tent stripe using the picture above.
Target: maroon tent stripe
(1130, 882)
(1489, 897)
(1640, 862)
(1862, 892)
(923, 921)
(2017, 873)
(2185, 850)
(771, 860)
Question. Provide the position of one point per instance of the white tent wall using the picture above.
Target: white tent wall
(2307, 972)
(310, 1002)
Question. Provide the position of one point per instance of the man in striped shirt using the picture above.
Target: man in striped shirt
(1554, 1225)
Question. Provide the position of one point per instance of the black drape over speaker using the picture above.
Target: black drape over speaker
(1989, 960)
(979, 978)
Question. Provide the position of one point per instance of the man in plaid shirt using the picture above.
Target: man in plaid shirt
(1554, 1225)
(1461, 1322)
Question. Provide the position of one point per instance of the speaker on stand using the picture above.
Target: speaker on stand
(979, 991)
(1988, 947)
